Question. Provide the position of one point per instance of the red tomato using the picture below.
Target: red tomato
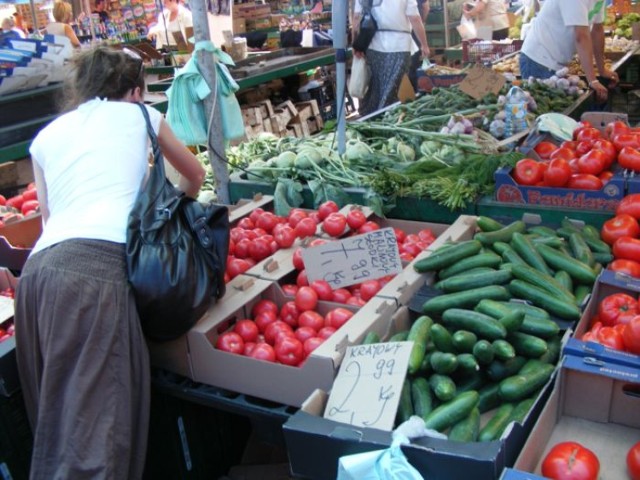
(289, 313)
(263, 351)
(629, 157)
(289, 289)
(317, 241)
(242, 248)
(412, 249)
(267, 221)
(611, 338)
(230, 342)
(305, 227)
(264, 319)
(255, 214)
(302, 333)
(284, 236)
(326, 332)
(558, 173)
(15, 202)
(545, 149)
(289, 350)
(247, 329)
(369, 226)
(311, 319)
(570, 461)
(628, 267)
(563, 152)
(615, 128)
(248, 348)
(571, 145)
(335, 224)
(301, 279)
(323, 289)
(295, 215)
(401, 235)
(588, 135)
(237, 266)
(605, 176)
(406, 257)
(615, 305)
(584, 181)
(274, 329)
(426, 235)
(527, 172)
(355, 301)
(633, 461)
(327, 208)
(264, 305)
(246, 223)
(623, 225)
(630, 205)
(298, 263)
(369, 289)
(337, 317)
(310, 344)
(631, 335)
(341, 295)
(608, 149)
(355, 219)
(30, 194)
(583, 147)
(627, 248)
(3, 201)
(306, 298)
(259, 249)
(592, 162)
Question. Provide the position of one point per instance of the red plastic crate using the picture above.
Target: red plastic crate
(480, 51)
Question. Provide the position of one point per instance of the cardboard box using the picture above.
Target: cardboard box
(9, 381)
(271, 381)
(17, 239)
(307, 432)
(608, 283)
(239, 25)
(594, 404)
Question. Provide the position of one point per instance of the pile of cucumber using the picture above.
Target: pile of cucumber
(488, 342)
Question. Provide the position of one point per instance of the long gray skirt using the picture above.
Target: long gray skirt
(83, 363)
(387, 70)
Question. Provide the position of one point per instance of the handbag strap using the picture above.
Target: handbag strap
(157, 154)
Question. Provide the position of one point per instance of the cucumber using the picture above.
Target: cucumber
(487, 224)
(497, 370)
(483, 352)
(527, 345)
(425, 366)
(441, 338)
(442, 387)
(500, 247)
(467, 429)
(544, 299)
(597, 246)
(529, 310)
(542, 231)
(554, 345)
(421, 397)
(405, 407)
(495, 309)
(371, 337)
(444, 363)
(566, 232)
(564, 279)
(581, 250)
(467, 363)
(555, 242)
(521, 410)
(603, 258)
(489, 397)
(497, 423)
(503, 235)
(467, 298)
(451, 255)
(520, 386)
(579, 271)
(452, 412)
(503, 350)
(509, 255)
(468, 281)
(465, 265)
(513, 320)
(543, 281)
(463, 341)
(482, 325)
(470, 381)
(419, 335)
(529, 254)
(581, 292)
(539, 327)
(399, 336)
(591, 232)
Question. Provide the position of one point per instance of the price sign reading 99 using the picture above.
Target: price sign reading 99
(366, 392)
(355, 259)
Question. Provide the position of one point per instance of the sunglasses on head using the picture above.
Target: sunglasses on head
(134, 55)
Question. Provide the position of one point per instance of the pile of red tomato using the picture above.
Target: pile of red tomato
(409, 245)
(617, 323)
(22, 205)
(584, 162)
(622, 232)
(286, 334)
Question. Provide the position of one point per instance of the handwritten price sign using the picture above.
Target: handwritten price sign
(355, 259)
(366, 392)
(481, 81)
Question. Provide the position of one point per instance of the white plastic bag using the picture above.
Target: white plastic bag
(467, 29)
(359, 81)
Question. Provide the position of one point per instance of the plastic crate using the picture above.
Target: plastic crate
(482, 51)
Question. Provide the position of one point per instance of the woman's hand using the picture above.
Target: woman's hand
(612, 76)
(425, 51)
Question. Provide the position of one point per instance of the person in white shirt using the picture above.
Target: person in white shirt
(491, 14)
(82, 356)
(174, 18)
(9, 29)
(62, 14)
(561, 29)
(389, 54)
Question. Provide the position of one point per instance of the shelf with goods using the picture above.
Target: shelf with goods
(441, 22)
(129, 20)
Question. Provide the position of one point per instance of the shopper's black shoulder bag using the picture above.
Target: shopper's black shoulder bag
(368, 28)
(176, 253)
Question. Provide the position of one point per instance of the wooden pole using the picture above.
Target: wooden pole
(207, 66)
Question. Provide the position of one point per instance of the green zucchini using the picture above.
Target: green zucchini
(467, 298)
(451, 412)
(450, 256)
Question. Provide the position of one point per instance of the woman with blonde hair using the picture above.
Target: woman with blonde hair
(62, 14)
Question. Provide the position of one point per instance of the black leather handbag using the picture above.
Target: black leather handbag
(176, 253)
(367, 30)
